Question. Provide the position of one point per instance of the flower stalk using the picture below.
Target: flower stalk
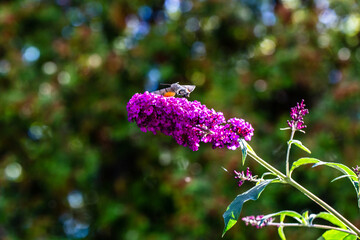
(309, 226)
(313, 197)
(288, 152)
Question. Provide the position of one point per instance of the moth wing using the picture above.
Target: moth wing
(189, 87)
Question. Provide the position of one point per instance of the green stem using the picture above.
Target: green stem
(309, 226)
(323, 204)
(307, 193)
(288, 152)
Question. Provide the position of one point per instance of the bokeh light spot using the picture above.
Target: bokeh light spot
(93, 9)
(335, 76)
(13, 171)
(322, 4)
(145, 13)
(260, 85)
(45, 89)
(95, 26)
(153, 78)
(64, 78)
(94, 61)
(211, 23)
(245, 13)
(185, 6)
(172, 6)
(329, 18)
(242, 66)
(165, 158)
(299, 16)
(74, 228)
(259, 30)
(324, 41)
(76, 17)
(292, 4)
(351, 25)
(4, 66)
(268, 18)
(67, 32)
(267, 46)
(49, 68)
(35, 132)
(154, 75)
(75, 199)
(198, 50)
(31, 54)
(192, 24)
(344, 54)
(198, 78)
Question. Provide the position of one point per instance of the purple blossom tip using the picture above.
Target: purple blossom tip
(188, 122)
(357, 170)
(297, 114)
(245, 176)
(257, 221)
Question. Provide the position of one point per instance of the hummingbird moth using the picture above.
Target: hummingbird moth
(176, 89)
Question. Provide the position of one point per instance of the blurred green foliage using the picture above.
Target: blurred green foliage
(73, 167)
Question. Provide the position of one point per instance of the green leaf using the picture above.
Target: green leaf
(350, 237)
(281, 228)
(281, 233)
(340, 177)
(305, 215)
(243, 150)
(337, 235)
(311, 219)
(340, 167)
(331, 218)
(303, 161)
(347, 171)
(249, 148)
(287, 213)
(233, 211)
(300, 145)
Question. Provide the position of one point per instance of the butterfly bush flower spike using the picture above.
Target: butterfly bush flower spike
(297, 114)
(257, 221)
(245, 176)
(188, 122)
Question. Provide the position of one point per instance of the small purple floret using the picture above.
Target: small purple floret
(257, 221)
(297, 113)
(244, 176)
(188, 122)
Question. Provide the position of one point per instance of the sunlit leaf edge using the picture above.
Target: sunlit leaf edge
(233, 211)
(300, 145)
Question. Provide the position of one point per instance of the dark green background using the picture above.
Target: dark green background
(72, 166)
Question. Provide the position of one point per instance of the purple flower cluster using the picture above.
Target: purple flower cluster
(188, 122)
(244, 176)
(229, 134)
(257, 221)
(297, 113)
